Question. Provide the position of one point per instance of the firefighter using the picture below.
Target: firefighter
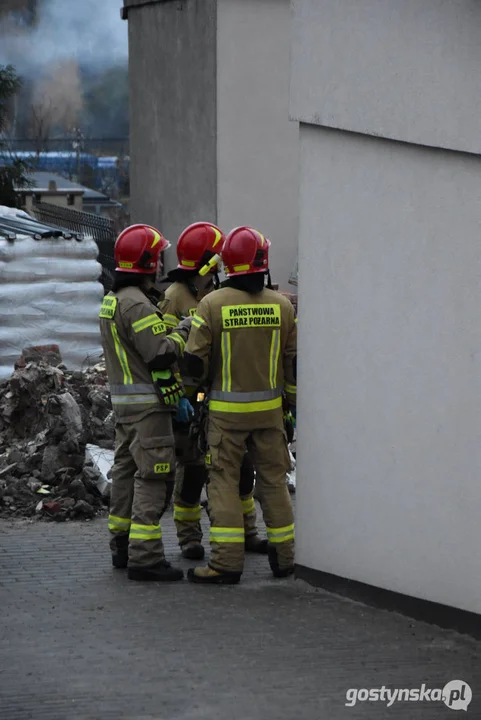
(145, 394)
(198, 253)
(244, 344)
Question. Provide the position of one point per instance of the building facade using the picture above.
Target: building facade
(211, 137)
(388, 97)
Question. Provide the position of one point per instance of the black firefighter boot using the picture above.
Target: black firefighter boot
(278, 572)
(255, 544)
(193, 551)
(160, 572)
(121, 557)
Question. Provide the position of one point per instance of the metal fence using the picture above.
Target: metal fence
(100, 228)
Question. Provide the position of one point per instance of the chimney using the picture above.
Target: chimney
(52, 186)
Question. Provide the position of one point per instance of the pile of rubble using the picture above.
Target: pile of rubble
(54, 426)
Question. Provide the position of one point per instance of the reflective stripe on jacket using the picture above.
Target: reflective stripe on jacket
(248, 344)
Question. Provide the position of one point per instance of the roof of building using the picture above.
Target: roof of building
(42, 179)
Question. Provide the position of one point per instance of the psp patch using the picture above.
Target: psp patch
(162, 468)
(159, 328)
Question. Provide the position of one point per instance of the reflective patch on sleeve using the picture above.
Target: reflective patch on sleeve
(250, 316)
(145, 323)
(108, 307)
(159, 328)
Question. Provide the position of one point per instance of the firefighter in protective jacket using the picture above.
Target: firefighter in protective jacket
(198, 253)
(244, 344)
(145, 394)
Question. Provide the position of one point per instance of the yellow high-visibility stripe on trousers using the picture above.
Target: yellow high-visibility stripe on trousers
(119, 524)
(187, 514)
(280, 535)
(145, 532)
(248, 505)
(122, 356)
(227, 535)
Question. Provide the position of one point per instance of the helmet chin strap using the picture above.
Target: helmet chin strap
(269, 281)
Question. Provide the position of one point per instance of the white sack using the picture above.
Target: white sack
(49, 294)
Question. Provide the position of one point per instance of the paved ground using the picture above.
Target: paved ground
(78, 641)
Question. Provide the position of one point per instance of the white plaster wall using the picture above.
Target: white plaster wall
(257, 144)
(404, 69)
(389, 448)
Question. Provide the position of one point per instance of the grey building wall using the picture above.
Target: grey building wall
(389, 457)
(257, 144)
(405, 70)
(210, 132)
(172, 70)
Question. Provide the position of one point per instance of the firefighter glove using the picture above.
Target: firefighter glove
(168, 387)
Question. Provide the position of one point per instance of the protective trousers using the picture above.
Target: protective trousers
(190, 477)
(142, 485)
(269, 453)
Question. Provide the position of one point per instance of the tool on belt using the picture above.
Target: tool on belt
(198, 426)
(289, 420)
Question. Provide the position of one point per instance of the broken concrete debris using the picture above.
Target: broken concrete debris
(56, 439)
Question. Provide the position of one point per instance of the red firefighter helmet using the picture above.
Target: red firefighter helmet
(137, 249)
(246, 251)
(199, 247)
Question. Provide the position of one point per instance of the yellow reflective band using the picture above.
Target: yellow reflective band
(187, 514)
(250, 316)
(247, 407)
(170, 320)
(117, 524)
(280, 535)
(241, 268)
(178, 339)
(157, 238)
(248, 506)
(108, 307)
(274, 357)
(218, 236)
(145, 536)
(122, 356)
(227, 535)
(135, 399)
(188, 263)
(162, 468)
(295, 320)
(261, 237)
(208, 459)
(226, 358)
(145, 532)
(145, 322)
(291, 389)
(197, 321)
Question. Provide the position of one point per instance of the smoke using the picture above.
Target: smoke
(88, 31)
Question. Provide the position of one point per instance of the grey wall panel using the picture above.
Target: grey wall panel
(389, 424)
(403, 69)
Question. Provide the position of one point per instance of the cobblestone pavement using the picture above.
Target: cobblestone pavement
(79, 641)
